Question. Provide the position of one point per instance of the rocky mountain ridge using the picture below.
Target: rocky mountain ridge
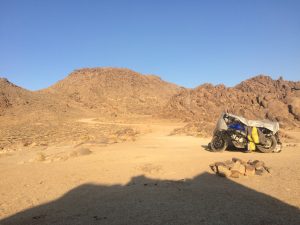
(116, 91)
(259, 97)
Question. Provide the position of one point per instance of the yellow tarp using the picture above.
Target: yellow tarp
(254, 135)
(253, 139)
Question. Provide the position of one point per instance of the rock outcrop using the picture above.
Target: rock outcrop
(257, 98)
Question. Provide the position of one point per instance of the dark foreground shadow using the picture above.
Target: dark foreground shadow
(206, 199)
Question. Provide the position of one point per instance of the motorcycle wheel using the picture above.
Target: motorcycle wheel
(270, 146)
(218, 144)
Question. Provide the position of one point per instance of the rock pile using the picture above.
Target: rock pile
(236, 167)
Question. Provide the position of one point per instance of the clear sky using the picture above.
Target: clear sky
(186, 42)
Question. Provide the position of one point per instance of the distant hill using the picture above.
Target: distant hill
(20, 102)
(12, 96)
(114, 90)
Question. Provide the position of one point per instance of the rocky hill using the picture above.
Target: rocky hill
(279, 98)
(12, 96)
(115, 91)
(257, 98)
(25, 104)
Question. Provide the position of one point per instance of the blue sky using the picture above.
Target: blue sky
(185, 42)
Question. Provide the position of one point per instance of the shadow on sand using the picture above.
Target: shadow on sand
(206, 199)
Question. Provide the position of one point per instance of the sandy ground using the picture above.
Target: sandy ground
(157, 179)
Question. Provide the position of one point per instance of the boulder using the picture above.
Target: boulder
(229, 164)
(235, 174)
(250, 170)
(213, 167)
(223, 171)
(259, 172)
(237, 166)
(294, 107)
(239, 160)
(220, 164)
(258, 164)
(242, 169)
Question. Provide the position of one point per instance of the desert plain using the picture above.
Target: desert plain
(111, 146)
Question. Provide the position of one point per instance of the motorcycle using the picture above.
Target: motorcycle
(235, 130)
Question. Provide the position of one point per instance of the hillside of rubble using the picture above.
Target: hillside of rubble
(260, 97)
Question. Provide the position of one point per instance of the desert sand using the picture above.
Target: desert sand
(154, 178)
(113, 146)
